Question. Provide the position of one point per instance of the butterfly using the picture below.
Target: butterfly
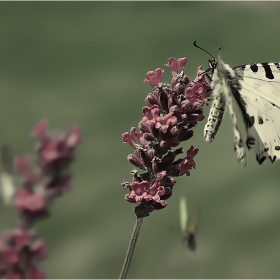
(256, 90)
(189, 233)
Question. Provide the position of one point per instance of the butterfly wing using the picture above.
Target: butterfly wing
(259, 97)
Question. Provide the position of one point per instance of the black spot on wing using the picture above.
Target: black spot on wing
(277, 65)
(260, 160)
(273, 159)
(254, 67)
(260, 120)
(277, 148)
(251, 121)
(268, 72)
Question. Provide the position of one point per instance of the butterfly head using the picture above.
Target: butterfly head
(212, 65)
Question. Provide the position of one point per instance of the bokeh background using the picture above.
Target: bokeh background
(84, 62)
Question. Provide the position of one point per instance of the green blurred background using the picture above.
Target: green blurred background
(84, 62)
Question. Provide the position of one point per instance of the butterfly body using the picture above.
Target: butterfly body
(256, 90)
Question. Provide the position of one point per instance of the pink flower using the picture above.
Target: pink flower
(155, 191)
(200, 76)
(30, 206)
(145, 191)
(196, 95)
(20, 255)
(176, 64)
(154, 77)
(150, 114)
(55, 149)
(163, 123)
(130, 138)
(74, 138)
(22, 166)
(25, 200)
(152, 117)
(187, 163)
(39, 130)
(138, 191)
(197, 92)
(29, 178)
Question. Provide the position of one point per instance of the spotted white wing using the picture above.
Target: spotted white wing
(260, 92)
(256, 89)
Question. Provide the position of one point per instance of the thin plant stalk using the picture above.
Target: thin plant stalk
(131, 248)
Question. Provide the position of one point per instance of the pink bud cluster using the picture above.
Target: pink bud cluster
(40, 185)
(173, 110)
(20, 254)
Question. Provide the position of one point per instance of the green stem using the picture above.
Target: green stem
(131, 248)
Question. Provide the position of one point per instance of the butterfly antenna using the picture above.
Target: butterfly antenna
(194, 43)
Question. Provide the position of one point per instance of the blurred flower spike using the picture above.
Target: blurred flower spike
(173, 110)
(20, 254)
(40, 185)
